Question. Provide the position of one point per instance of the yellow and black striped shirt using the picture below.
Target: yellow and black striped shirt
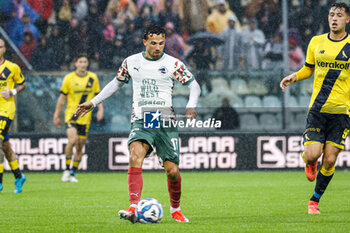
(10, 73)
(331, 88)
(79, 90)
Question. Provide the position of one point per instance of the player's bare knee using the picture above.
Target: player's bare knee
(328, 166)
(132, 158)
(73, 141)
(6, 148)
(135, 159)
(172, 173)
(79, 147)
(173, 176)
(133, 148)
(311, 156)
(328, 163)
(135, 155)
(307, 157)
(9, 154)
(137, 151)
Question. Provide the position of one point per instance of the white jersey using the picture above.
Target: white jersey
(153, 82)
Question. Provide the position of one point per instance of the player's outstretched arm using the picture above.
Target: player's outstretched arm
(195, 92)
(83, 109)
(304, 73)
(286, 81)
(106, 92)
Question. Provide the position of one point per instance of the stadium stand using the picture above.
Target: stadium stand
(292, 102)
(252, 101)
(258, 87)
(240, 86)
(249, 122)
(298, 121)
(269, 121)
(304, 101)
(271, 101)
(179, 101)
(119, 123)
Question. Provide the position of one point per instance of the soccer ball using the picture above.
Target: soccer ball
(149, 210)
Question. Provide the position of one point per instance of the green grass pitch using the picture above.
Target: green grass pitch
(213, 202)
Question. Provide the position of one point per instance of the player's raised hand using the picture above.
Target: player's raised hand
(286, 81)
(191, 113)
(83, 109)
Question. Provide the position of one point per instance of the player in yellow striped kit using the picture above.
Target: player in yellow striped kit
(10, 74)
(328, 119)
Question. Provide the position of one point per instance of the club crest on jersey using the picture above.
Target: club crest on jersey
(90, 82)
(344, 53)
(163, 70)
(5, 73)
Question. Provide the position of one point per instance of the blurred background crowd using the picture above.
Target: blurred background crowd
(51, 32)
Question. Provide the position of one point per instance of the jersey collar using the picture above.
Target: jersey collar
(81, 76)
(149, 59)
(329, 37)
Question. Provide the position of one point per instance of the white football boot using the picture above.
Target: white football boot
(73, 179)
(65, 176)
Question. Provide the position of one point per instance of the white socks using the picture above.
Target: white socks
(172, 210)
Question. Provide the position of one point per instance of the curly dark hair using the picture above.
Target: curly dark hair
(341, 5)
(153, 29)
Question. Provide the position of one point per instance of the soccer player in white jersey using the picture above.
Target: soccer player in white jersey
(153, 73)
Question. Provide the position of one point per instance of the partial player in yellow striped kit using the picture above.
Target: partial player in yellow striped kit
(78, 86)
(10, 75)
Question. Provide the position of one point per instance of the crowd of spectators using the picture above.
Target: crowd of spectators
(50, 33)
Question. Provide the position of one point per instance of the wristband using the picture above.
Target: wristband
(13, 92)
